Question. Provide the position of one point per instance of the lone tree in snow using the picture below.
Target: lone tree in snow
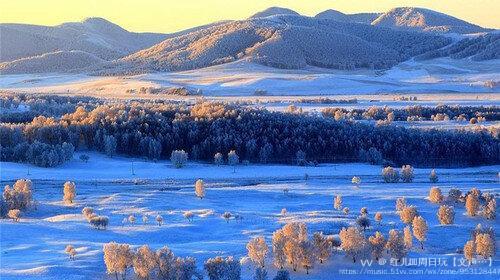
(131, 219)
(433, 176)
(257, 250)
(337, 202)
(485, 245)
(346, 210)
(408, 214)
(435, 195)
(118, 258)
(390, 175)
(199, 188)
(227, 216)
(408, 238)
(363, 222)
(472, 204)
(356, 181)
(14, 214)
(69, 192)
(378, 217)
(145, 219)
(233, 158)
(446, 215)
(377, 245)
(407, 173)
(490, 209)
(363, 211)
(322, 246)
(144, 261)
(218, 159)
(420, 230)
(159, 220)
(396, 245)
(279, 240)
(70, 251)
(179, 158)
(352, 242)
(99, 222)
(470, 250)
(188, 215)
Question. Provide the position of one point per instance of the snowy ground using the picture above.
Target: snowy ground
(34, 247)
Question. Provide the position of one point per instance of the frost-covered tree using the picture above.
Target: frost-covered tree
(14, 214)
(99, 222)
(186, 269)
(118, 258)
(472, 204)
(199, 188)
(435, 195)
(300, 157)
(408, 214)
(390, 175)
(377, 245)
(352, 242)
(257, 250)
(20, 196)
(218, 159)
(307, 255)
(446, 214)
(356, 181)
(131, 219)
(282, 275)
(294, 233)
(396, 245)
(233, 158)
(159, 219)
(279, 241)
(363, 211)
(454, 195)
(227, 215)
(363, 222)
(69, 192)
(70, 251)
(433, 178)
(400, 204)
(219, 268)
(165, 263)
(407, 173)
(144, 261)
(408, 238)
(322, 246)
(88, 213)
(469, 250)
(260, 273)
(420, 230)
(145, 219)
(378, 217)
(485, 245)
(188, 215)
(110, 145)
(490, 209)
(179, 158)
(283, 212)
(346, 210)
(337, 202)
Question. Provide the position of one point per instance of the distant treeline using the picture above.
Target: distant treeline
(154, 129)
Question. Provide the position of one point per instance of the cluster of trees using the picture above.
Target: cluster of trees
(15, 199)
(482, 243)
(38, 153)
(96, 221)
(154, 130)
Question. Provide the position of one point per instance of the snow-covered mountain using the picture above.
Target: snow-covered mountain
(95, 36)
(272, 11)
(365, 18)
(419, 19)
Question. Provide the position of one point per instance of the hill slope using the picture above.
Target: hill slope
(365, 18)
(96, 36)
(272, 11)
(419, 19)
(283, 41)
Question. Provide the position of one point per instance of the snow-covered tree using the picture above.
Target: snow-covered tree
(88, 213)
(218, 159)
(219, 268)
(346, 210)
(20, 196)
(159, 220)
(469, 250)
(70, 251)
(378, 217)
(300, 157)
(435, 195)
(420, 229)
(446, 214)
(199, 188)
(433, 176)
(257, 250)
(490, 209)
(454, 195)
(279, 241)
(307, 255)
(377, 245)
(407, 173)
(356, 181)
(472, 204)
(179, 158)
(99, 222)
(352, 242)
(165, 263)
(118, 258)
(186, 269)
(110, 145)
(408, 238)
(69, 192)
(14, 214)
(363, 211)
(337, 202)
(188, 215)
(145, 219)
(227, 215)
(363, 222)
(294, 233)
(233, 158)
(131, 219)
(400, 204)
(408, 214)
(322, 246)
(390, 175)
(144, 261)
(396, 245)
(283, 212)
(485, 245)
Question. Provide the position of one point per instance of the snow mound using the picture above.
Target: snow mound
(65, 218)
(30, 271)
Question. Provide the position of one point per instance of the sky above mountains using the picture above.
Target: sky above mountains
(173, 15)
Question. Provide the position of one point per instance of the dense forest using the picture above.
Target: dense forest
(154, 129)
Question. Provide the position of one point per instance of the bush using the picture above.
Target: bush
(390, 175)
(407, 173)
(99, 222)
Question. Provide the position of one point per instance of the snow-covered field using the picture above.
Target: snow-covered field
(34, 247)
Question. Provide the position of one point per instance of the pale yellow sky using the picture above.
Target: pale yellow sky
(174, 15)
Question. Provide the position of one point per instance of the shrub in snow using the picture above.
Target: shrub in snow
(469, 250)
(99, 222)
(179, 158)
(420, 230)
(390, 175)
(218, 159)
(144, 261)
(260, 273)
(117, 258)
(378, 217)
(227, 216)
(407, 173)
(408, 214)
(219, 268)
(199, 188)
(363, 222)
(70, 251)
(159, 220)
(188, 215)
(454, 195)
(400, 204)
(69, 192)
(446, 215)
(485, 245)
(356, 180)
(363, 211)
(377, 245)
(490, 209)
(472, 204)
(131, 219)
(322, 246)
(408, 238)
(278, 242)
(14, 214)
(396, 245)
(346, 210)
(352, 242)
(337, 202)
(435, 195)
(433, 176)
(282, 275)
(257, 250)
(20, 196)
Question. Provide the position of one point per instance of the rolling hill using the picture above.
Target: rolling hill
(365, 18)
